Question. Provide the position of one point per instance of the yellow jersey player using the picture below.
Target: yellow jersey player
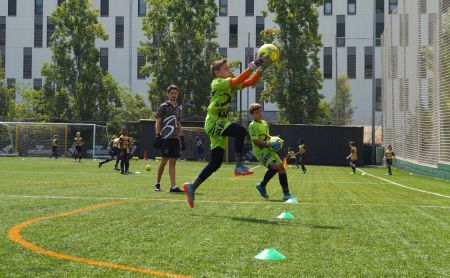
(54, 147)
(291, 157)
(353, 157)
(112, 150)
(389, 155)
(124, 149)
(78, 143)
(301, 155)
(264, 151)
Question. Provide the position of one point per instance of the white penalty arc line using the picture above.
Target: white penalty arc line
(210, 201)
(404, 186)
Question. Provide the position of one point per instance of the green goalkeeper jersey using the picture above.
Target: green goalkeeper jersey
(220, 105)
(258, 131)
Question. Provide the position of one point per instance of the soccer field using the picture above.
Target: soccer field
(99, 223)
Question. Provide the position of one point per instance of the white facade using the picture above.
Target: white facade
(122, 62)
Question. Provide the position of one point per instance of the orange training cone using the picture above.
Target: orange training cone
(284, 162)
(145, 155)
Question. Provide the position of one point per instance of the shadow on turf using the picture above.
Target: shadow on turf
(273, 222)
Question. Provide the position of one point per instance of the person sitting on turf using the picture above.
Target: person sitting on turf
(353, 156)
(262, 149)
(389, 154)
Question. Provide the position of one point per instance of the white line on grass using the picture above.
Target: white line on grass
(404, 186)
(209, 201)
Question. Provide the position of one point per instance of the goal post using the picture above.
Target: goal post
(35, 139)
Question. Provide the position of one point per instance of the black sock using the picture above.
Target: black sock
(268, 176)
(284, 182)
(303, 168)
(197, 182)
(127, 166)
(389, 169)
(354, 169)
(117, 163)
(238, 157)
(122, 165)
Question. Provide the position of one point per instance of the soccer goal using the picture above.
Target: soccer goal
(35, 139)
(197, 144)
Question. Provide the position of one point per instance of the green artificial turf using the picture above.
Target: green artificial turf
(345, 225)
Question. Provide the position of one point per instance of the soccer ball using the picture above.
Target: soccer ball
(276, 139)
(268, 50)
(148, 167)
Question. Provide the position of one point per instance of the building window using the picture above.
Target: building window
(50, 31)
(12, 7)
(378, 95)
(140, 64)
(259, 30)
(38, 30)
(104, 8)
(249, 7)
(340, 30)
(142, 8)
(368, 62)
(27, 62)
(258, 92)
(119, 32)
(223, 52)
(351, 7)
(233, 39)
(223, 7)
(60, 2)
(379, 28)
(37, 84)
(380, 6)
(10, 82)
(328, 7)
(2, 30)
(3, 56)
(249, 55)
(39, 7)
(392, 5)
(351, 62)
(327, 62)
(104, 59)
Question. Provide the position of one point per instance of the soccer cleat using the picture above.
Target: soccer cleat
(176, 190)
(262, 190)
(157, 187)
(190, 193)
(242, 171)
(100, 164)
(287, 196)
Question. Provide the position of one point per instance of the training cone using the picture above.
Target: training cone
(270, 254)
(284, 162)
(286, 215)
(145, 155)
(292, 201)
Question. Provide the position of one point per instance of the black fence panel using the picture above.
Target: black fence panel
(325, 145)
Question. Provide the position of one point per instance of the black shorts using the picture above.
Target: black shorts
(292, 160)
(54, 149)
(124, 156)
(389, 162)
(171, 148)
(113, 151)
(78, 150)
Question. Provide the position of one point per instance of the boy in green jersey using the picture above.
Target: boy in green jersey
(217, 124)
(263, 150)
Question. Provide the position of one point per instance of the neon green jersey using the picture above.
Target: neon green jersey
(220, 105)
(258, 131)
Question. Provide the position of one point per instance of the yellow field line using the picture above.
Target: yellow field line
(14, 235)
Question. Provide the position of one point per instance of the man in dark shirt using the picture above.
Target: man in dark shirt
(169, 136)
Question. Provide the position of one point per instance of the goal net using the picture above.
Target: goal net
(35, 139)
(197, 144)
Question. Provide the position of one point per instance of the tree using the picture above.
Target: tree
(294, 82)
(341, 110)
(81, 87)
(179, 48)
(133, 108)
(7, 96)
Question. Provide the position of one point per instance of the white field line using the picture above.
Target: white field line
(207, 201)
(404, 186)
